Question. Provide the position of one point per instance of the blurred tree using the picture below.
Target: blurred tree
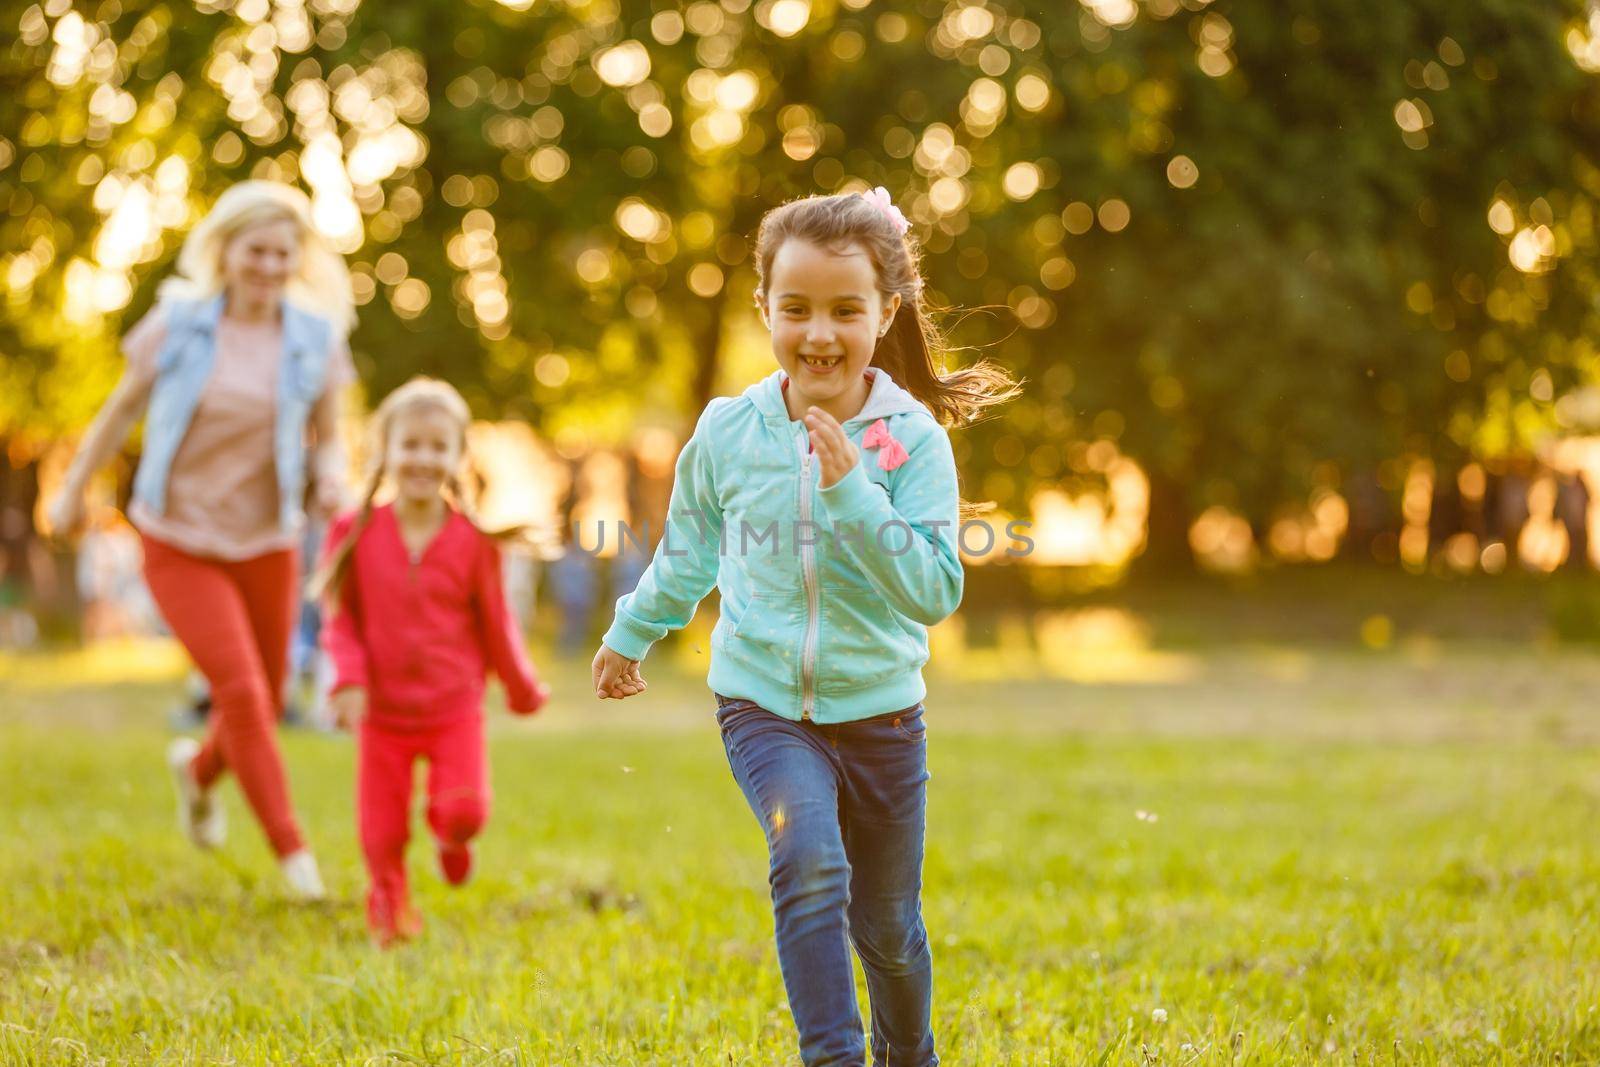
(1278, 245)
(1261, 247)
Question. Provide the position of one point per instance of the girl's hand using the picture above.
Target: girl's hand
(349, 707)
(616, 677)
(65, 512)
(327, 495)
(836, 452)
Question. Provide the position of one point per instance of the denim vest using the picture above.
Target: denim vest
(183, 366)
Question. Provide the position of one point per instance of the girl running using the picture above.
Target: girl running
(418, 616)
(823, 505)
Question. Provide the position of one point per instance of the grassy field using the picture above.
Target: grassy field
(1139, 852)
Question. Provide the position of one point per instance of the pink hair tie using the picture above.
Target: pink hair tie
(879, 198)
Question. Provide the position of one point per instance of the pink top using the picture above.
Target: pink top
(222, 492)
(419, 634)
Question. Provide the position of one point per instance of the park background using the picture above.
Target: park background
(1279, 747)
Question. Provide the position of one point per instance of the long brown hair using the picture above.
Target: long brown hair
(910, 351)
(420, 393)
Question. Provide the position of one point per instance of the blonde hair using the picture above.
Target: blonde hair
(419, 394)
(909, 351)
(322, 282)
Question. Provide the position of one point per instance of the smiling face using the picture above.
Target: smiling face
(259, 260)
(424, 449)
(826, 314)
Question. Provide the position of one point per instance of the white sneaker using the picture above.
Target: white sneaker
(300, 871)
(201, 819)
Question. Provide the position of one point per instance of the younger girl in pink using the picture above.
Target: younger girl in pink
(418, 617)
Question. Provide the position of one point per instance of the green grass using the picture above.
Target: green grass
(1354, 857)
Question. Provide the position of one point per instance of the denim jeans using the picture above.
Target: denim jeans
(843, 806)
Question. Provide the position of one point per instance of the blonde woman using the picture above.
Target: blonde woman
(244, 352)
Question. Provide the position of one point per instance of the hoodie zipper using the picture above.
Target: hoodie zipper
(808, 571)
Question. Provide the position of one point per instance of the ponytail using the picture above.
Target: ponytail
(466, 502)
(328, 581)
(958, 398)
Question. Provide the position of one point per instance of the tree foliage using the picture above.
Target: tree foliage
(1261, 246)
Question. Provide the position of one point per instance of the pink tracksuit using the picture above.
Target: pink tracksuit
(419, 635)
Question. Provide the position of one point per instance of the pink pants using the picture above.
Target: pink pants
(234, 619)
(458, 796)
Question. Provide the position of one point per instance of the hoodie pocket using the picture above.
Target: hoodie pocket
(862, 643)
(759, 640)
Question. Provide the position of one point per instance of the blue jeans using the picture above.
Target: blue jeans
(843, 807)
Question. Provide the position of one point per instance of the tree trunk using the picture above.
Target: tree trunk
(1572, 509)
(1167, 548)
(708, 346)
(1374, 530)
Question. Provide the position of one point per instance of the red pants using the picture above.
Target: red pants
(458, 796)
(234, 619)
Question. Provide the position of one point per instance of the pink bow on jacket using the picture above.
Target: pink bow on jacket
(891, 453)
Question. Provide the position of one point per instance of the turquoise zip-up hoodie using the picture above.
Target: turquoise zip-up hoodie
(827, 594)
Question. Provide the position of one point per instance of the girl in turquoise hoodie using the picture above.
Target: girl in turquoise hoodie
(823, 505)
